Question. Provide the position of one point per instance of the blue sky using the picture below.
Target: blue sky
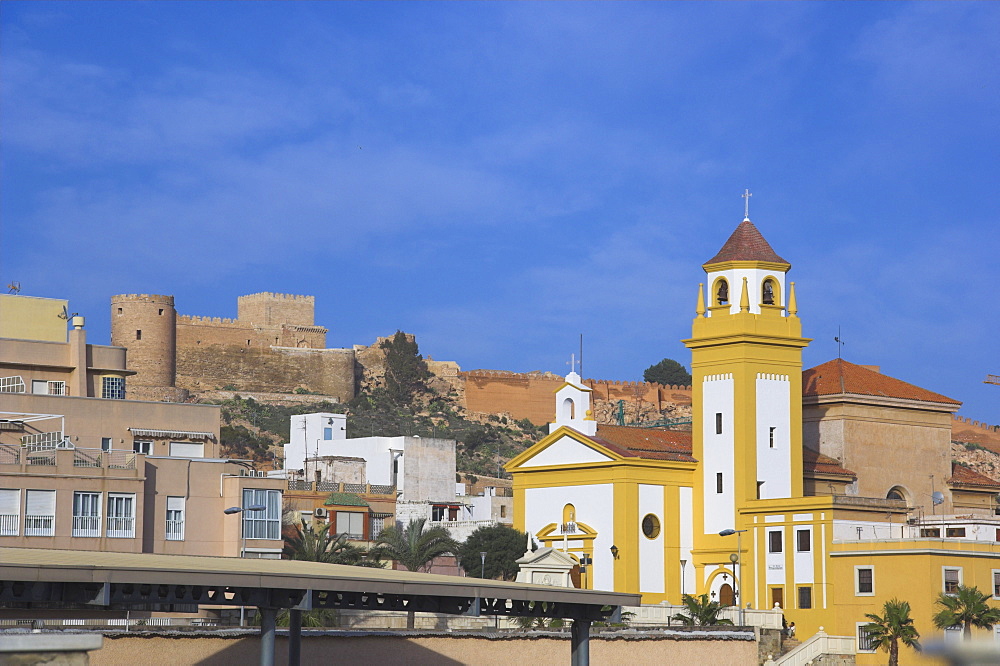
(499, 178)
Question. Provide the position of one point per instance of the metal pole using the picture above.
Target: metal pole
(267, 625)
(580, 642)
(294, 637)
(739, 560)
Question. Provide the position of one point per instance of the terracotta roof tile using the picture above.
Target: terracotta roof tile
(746, 244)
(965, 476)
(838, 377)
(817, 463)
(646, 442)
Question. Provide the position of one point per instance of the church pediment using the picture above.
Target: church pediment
(562, 448)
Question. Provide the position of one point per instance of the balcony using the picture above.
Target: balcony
(9, 524)
(86, 526)
(39, 525)
(175, 530)
(121, 527)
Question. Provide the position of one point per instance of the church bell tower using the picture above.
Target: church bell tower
(746, 365)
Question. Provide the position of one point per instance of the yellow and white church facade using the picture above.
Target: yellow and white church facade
(749, 507)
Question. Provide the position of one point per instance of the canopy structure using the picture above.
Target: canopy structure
(60, 578)
(176, 434)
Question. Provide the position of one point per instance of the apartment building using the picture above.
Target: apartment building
(82, 467)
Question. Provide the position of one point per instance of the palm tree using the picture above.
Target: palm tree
(308, 543)
(966, 608)
(895, 625)
(413, 547)
(700, 611)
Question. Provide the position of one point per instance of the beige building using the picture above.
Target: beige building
(84, 468)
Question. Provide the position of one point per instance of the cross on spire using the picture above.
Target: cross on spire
(746, 204)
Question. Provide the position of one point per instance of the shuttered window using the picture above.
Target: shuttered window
(187, 449)
(40, 513)
(175, 519)
(10, 512)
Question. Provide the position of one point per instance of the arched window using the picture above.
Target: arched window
(896, 494)
(568, 409)
(722, 292)
(569, 514)
(767, 293)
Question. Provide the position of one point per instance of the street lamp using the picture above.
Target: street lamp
(683, 564)
(240, 509)
(482, 570)
(738, 559)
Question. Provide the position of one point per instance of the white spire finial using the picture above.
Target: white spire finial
(572, 362)
(746, 204)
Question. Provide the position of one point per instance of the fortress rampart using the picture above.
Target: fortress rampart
(530, 395)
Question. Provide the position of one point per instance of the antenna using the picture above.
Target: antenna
(14, 287)
(840, 343)
(746, 204)
(581, 356)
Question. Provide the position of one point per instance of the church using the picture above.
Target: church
(826, 491)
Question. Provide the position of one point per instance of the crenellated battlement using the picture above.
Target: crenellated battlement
(195, 320)
(271, 296)
(148, 298)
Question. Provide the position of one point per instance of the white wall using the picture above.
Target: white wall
(718, 453)
(775, 562)
(774, 465)
(651, 554)
(565, 451)
(313, 435)
(686, 509)
(594, 505)
(804, 569)
(572, 405)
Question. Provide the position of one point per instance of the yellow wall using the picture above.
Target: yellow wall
(32, 318)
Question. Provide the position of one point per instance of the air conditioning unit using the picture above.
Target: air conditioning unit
(320, 512)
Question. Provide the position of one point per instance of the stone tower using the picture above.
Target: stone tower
(146, 324)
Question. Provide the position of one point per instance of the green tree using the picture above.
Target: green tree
(700, 611)
(308, 543)
(502, 544)
(413, 547)
(406, 371)
(966, 608)
(668, 372)
(893, 627)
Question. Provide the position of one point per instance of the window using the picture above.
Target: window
(952, 579)
(774, 541)
(113, 388)
(718, 423)
(143, 447)
(40, 513)
(351, 523)
(865, 641)
(650, 526)
(10, 512)
(119, 310)
(39, 387)
(803, 540)
(175, 519)
(327, 433)
(931, 532)
(86, 514)
(160, 312)
(805, 597)
(121, 515)
(105, 443)
(767, 297)
(503, 510)
(954, 532)
(138, 335)
(996, 583)
(718, 482)
(57, 388)
(187, 449)
(864, 581)
(770, 434)
(722, 294)
(444, 512)
(895, 494)
(264, 524)
(13, 384)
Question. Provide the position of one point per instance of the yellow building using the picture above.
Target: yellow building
(746, 508)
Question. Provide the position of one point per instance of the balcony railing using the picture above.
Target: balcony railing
(87, 458)
(9, 524)
(10, 455)
(119, 459)
(39, 525)
(335, 487)
(121, 527)
(175, 530)
(86, 526)
(41, 458)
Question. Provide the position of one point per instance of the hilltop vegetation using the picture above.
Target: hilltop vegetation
(401, 401)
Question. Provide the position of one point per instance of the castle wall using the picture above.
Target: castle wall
(531, 395)
(204, 367)
(266, 308)
(145, 324)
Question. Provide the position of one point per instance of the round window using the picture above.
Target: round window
(651, 526)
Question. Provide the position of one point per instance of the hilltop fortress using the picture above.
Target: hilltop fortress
(273, 345)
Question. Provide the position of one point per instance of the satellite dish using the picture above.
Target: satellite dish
(937, 497)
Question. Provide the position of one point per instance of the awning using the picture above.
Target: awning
(172, 434)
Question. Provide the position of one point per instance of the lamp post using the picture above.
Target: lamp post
(482, 570)
(240, 509)
(683, 565)
(739, 580)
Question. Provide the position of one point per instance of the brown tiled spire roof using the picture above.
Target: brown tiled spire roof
(965, 476)
(838, 377)
(646, 442)
(817, 463)
(746, 244)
